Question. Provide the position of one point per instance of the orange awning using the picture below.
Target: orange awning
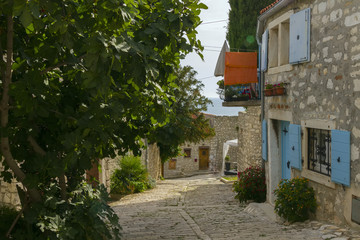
(240, 68)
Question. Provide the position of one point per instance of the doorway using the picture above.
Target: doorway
(203, 158)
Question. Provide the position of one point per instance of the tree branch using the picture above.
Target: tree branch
(4, 145)
(36, 146)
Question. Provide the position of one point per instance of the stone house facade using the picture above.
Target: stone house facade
(313, 131)
(208, 154)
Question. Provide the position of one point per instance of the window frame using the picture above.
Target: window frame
(185, 153)
(309, 174)
(324, 168)
(279, 34)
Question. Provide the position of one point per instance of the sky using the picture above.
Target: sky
(212, 34)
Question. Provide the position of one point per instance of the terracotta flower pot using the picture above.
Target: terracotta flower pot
(268, 92)
(279, 91)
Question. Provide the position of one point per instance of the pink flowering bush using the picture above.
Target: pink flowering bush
(295, 199)
(251, 185)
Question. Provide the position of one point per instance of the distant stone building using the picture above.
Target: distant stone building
(208, 154)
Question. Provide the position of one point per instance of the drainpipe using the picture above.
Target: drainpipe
(259, 31)
(262, 97)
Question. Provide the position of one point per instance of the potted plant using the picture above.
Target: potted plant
(227, 163)
(268, 89)
(279, 89)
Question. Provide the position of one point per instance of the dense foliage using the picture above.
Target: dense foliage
(7, 216)
(295, 199)
(242, 23)
(251, 185)
(131, 177)
(187, 124)
(82, 80)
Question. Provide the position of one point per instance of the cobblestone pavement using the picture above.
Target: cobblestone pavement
(202, 207)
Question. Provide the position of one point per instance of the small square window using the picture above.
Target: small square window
(172, 164)
(187, 152)
(319, 151)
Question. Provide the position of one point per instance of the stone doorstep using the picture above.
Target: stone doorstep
(264, 208)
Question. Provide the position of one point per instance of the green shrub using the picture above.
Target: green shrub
(251, 185)
(85, 215)
(295, 199)
(132, 177)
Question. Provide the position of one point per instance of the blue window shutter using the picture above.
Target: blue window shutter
(264, 139)
(300, 37)
(295, 146)
(264, 50)
(340, 157)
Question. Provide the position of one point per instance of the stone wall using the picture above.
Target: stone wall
(249, 141)
(326, 90)
(151, 160)
(9, 195)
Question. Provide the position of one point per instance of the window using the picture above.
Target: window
(187, 152)
(279, 45)
(319, 151)
(278, 50)
(326, 153)
(172, 164)
(288, 41)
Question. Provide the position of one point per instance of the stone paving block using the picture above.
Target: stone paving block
(202, 207)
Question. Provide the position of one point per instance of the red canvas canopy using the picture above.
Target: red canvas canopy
(240, 68)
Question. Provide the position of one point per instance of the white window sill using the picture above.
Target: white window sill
(318, 178)
(283, 68)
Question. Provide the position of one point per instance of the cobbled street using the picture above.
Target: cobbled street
(203, 207)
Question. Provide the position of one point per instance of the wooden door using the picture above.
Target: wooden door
(203, 158)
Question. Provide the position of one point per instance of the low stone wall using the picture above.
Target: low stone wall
(249, 140)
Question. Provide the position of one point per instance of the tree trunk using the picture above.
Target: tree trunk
(4, 104)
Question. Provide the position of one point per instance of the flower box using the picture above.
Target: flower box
(278, 91)
(268, 92)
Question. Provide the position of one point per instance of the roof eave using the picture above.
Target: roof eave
(263, 17)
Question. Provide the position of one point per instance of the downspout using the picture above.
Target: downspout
(259, 31)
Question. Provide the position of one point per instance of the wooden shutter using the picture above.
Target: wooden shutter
(264, 139)
(300, 37)
(264, 50)
(295, 146)
(340, 157)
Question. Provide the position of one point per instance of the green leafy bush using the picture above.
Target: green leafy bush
(132, 177)
(251, 185)
(85, 215)
(295, 199)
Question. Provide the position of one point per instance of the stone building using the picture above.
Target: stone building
(208, 154)
(313, 131)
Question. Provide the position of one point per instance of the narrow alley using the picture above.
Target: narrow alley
(203, 207)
